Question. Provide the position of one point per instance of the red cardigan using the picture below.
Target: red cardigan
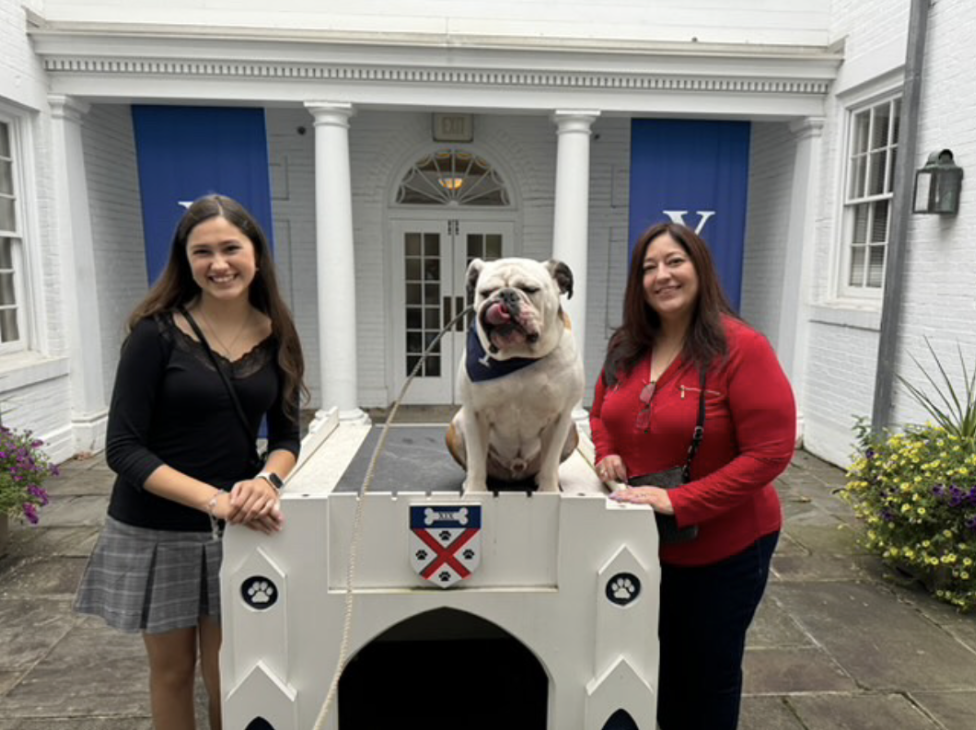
(750, 430)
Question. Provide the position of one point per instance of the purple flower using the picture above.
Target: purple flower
(971, 523)
(30, 512)
(938, 490)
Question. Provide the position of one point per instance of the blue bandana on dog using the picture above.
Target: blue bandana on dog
(482, 366)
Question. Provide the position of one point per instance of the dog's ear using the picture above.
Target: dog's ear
(563, 276)
(474, 271)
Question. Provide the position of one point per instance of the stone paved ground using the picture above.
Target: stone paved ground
(836, 644)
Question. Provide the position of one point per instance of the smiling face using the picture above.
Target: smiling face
(222, 259)
(670, 279)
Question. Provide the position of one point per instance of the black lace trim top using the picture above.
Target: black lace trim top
(170, 406)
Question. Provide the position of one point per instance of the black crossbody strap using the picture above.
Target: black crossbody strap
(699, 432)
(223, 375)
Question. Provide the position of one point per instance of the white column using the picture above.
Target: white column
(336, 270)
(82, 326)
(794, 317)
(570, 230)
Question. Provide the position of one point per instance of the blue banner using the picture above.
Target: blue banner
(186, 152)
(697, 173)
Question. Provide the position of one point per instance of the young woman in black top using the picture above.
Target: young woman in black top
(181, 451)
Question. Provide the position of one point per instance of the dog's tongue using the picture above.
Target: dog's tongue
(498, 314)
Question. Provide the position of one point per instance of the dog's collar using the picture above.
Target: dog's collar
(482, 366)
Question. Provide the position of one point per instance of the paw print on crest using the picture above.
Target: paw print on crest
(444, 576)
(421, 554)
(623, 589)
(468, 554)
(444, 535)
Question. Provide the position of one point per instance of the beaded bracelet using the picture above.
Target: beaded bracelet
(214, 523)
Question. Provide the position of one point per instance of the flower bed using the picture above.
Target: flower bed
(23, 469)
(916, 493)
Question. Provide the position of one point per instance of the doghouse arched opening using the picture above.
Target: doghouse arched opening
(444, 668)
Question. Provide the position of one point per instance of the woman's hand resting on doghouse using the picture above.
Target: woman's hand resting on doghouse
(656, 497)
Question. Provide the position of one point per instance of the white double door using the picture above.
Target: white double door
(430, 259)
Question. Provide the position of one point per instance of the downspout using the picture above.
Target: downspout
(902, 207)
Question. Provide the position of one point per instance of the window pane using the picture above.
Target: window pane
(6, 177)
(882, 118)
(7, 220)
(7, 294)
(493, 246)
(860, 234)
(432, 269)
(9, 332)
(475, 246)
(413, 294)
(4, 139)
(876, 266)
(432, 369)
(862, 124)
(432, 294)
(858, 175)
(879, 225)
(893, 160)
(414, 318)
(432, 318)
(897, 121)
(413, 269)
(6, 253)
(412, 360)
(411, 243)
(432, 244)
(877, 173)
(414, 340)
(857, 266)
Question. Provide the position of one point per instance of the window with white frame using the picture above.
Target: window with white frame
(867, 200)
(11, 239)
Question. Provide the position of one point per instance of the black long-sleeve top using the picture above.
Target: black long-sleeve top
(170, 406)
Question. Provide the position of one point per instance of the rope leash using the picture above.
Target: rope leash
(357, 525)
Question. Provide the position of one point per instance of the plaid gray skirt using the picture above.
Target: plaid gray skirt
(139, 579)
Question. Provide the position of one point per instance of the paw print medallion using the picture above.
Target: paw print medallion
(623, 589)
(259, 592)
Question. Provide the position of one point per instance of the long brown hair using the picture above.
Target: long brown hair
(705, 340)
(176, 287)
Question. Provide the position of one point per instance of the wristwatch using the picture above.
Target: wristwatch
(271, 478)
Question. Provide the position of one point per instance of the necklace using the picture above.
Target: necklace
(226, 348)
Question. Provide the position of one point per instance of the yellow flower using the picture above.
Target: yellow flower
(967, 562)
(921, 510)
(926, 544)
(964, 575)
(906, 508)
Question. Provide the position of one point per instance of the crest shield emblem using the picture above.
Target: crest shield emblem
(445, 542)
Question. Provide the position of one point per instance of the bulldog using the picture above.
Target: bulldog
(519, 377)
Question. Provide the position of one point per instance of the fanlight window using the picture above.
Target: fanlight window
(452, 177)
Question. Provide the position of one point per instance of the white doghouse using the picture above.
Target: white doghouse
(569, 579)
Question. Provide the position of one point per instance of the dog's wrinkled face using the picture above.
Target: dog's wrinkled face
(517, 305)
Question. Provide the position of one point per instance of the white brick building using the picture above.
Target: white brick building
(804, 74)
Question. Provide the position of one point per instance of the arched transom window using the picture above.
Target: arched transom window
(453, 177)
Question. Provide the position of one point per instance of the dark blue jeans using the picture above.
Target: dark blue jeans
(705, 612)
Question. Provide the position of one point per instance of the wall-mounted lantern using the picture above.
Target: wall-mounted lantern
(937, 185)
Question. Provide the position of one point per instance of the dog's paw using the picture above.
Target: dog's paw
(476, 486)
(547, 483)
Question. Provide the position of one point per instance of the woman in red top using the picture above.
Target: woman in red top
(677, 323)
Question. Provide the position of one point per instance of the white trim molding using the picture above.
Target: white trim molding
(132, 62)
